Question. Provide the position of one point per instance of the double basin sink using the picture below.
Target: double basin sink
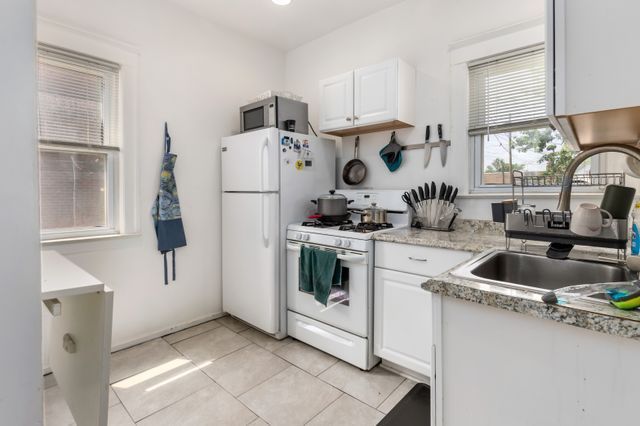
(538, 273)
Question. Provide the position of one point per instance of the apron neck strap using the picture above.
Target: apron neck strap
(167, 139)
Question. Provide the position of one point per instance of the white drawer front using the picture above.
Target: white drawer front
(419, 260)
(345, 346)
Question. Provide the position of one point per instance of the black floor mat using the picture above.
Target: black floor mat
(413, 409)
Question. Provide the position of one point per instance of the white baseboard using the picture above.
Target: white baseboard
(166, 331)
(46, 369)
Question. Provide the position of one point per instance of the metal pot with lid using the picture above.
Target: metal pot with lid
(373, 214)
(332, 204)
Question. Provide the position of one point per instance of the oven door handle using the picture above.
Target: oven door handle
(353, 258)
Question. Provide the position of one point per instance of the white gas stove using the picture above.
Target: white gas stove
(343, 328)
(345, 233)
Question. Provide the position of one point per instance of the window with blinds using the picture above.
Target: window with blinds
(78, 132)
(507, 92)
(77, 98)
(508, 126)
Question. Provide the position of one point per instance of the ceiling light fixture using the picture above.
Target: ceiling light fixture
(281, 2)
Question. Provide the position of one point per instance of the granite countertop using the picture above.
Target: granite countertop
(471, 240)
(469, 235)
(478, 236)
(592, 315)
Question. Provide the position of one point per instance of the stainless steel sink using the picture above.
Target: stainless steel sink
(538, 273)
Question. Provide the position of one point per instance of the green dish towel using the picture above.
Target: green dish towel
(319, 270)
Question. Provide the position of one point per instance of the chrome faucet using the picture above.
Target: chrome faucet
(564, 203)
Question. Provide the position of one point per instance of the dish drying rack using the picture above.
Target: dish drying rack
(518, 178)
(525, 223)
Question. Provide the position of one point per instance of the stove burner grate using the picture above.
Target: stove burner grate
(366, 227)
(327, 224)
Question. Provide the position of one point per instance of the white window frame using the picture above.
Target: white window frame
(462, 54)
(476, 153)
(110, 148)
(111, 190)
(125, 219)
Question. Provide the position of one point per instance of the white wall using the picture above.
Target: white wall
(195, 76)
(421, 32)
(20, 379)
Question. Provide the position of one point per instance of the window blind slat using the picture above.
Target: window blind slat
(507, 91)
(77, 98)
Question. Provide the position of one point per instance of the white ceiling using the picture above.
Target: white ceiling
(284, 27)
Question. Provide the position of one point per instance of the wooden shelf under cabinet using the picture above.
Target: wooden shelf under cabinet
(371, 128)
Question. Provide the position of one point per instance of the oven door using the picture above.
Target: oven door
(347, 307)
(258, 115)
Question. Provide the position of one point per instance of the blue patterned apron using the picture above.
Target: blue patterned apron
(166, 209)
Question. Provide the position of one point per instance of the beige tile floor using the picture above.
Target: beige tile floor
(225, 373)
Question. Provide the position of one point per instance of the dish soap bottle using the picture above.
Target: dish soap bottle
(635, 231)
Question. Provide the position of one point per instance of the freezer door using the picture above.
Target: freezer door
(250, 259)
(250, 161)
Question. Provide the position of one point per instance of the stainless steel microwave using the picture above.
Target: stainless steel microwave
(275, 112)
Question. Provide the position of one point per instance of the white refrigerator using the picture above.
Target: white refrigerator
(268, 179)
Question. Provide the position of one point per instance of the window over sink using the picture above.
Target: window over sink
(508, 127)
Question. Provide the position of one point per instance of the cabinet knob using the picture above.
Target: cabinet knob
(417, 259)
(348, 118)
(355, 117)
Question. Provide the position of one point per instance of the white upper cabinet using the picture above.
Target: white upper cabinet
(337, 101)
(369, 99)
(594, 50)
(375, 93)
(592, 66)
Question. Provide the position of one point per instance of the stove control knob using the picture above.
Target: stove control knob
(305, 237)
(298, 236)
(337, 242)
(346, 243)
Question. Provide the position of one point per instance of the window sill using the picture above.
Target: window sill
(68, 240)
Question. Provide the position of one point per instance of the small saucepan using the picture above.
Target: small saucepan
(372, 214)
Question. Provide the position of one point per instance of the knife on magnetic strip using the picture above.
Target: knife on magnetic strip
(427, 147)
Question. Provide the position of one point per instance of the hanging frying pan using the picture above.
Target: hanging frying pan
(355, 170)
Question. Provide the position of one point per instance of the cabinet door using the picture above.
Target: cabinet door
(376, 93)
(83, 374)
(336, 94)
(596, 64)
(402, 320)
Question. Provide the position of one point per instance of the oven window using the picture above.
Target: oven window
(339, 294)
(254, 118)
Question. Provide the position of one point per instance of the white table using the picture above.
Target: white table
(80, 336)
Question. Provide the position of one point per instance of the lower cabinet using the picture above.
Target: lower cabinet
(402, 316)
(402, 320)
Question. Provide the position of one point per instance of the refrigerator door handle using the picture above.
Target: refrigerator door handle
(264, 165)
(265, 218)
